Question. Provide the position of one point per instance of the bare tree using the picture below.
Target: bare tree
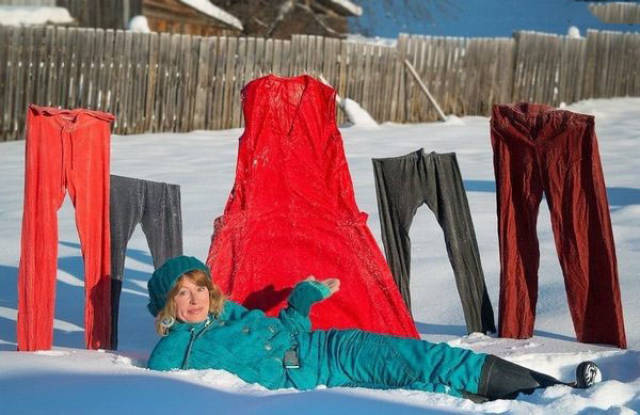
(281, 18)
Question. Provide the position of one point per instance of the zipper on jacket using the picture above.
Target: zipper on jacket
(193, 338)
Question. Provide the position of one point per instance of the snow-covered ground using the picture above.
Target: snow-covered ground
(69, 379)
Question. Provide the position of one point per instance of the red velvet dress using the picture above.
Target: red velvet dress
(292, 212)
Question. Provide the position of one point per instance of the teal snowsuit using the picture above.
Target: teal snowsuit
(253, 346)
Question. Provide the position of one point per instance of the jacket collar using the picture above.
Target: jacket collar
(183, 326)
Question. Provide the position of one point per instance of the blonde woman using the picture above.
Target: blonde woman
(201, 329)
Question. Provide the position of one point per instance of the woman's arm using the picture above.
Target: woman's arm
(310, 291)
(303, 296)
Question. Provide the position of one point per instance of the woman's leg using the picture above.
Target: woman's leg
(502, 379)
(364, 359)
(359, 358)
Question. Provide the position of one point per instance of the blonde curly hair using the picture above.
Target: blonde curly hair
(201, 279)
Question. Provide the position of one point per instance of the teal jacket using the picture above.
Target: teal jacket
(244, 342)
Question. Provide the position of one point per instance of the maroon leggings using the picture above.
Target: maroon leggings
(540, 149)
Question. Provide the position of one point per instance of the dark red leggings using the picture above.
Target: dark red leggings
(541, 149)
(65, 150)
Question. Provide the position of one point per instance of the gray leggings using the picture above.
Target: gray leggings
(156, 206)
(405, 183)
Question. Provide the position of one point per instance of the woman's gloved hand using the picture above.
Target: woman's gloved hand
(333, 284)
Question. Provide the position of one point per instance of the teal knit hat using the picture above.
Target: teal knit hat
(164, 278)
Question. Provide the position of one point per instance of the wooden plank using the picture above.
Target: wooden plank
(286, 58)
(633, 88)
(260, 58)
(375, 80)
(308, 55)
(202, 85)
(212, 51)
(85, 56)
(71, 70)
(318, 63)
(116, 85)
(412, 103)
(299, 56)
(152, 81)
(229, 79)
(170, 86)
(603, 65)
(249, 62)
(184, 85)
(219, 84)
(276, 66)
(624, 71)
(162, 82)
(389, 59)
(24, 80)
(126, 81)
(42, 68)
(193, 81)
(247, 75)
(367, 82)
(14, 38)
(142, 69)
(97, 63)
(133, 69)
(589, 65)
(4, 52)
(60, 80)
(105, 72)
(267, 65)
(397, 82)
(238, 82)
(328, 60)
(506, 69)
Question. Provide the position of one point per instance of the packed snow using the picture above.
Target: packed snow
(33, 15)
(139, 24)
(573, 32)
(356, 115)
(69, 379)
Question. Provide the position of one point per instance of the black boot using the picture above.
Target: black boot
(587, 375)
(501, 379)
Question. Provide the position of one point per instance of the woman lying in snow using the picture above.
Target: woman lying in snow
(203, 330)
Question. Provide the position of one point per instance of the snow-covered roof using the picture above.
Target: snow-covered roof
(33, 15)
(344, 7)
(205, 6)
(616, 12)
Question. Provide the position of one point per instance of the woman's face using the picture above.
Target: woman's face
(192, 302)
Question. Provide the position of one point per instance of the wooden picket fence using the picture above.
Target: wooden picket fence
(171, 82)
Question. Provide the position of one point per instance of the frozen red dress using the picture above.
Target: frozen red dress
(292, 212)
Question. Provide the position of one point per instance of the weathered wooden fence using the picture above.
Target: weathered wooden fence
(172, 82)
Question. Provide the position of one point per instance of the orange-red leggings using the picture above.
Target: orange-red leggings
(65, 149)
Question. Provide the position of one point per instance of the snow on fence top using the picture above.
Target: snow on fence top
(204, 6)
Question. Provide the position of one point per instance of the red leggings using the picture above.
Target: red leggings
(65, 149)
(540, 149)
